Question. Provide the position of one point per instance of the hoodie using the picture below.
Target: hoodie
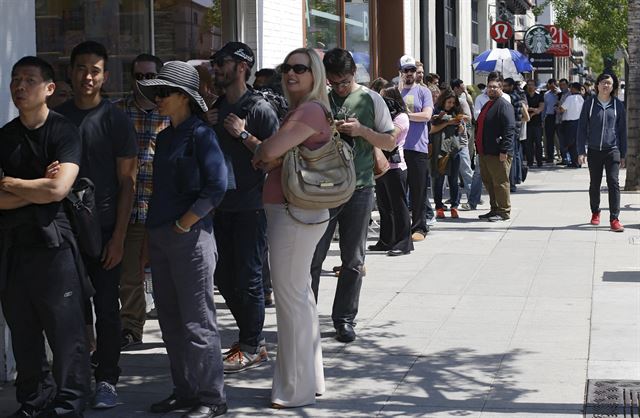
(602, 128)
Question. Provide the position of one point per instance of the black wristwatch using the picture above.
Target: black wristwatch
(244, 135)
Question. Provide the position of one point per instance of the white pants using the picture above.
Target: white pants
(298, 374)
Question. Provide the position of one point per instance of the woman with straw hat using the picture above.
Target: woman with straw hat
(189, 180)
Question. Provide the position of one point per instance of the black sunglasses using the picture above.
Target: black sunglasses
(409, 70)
(144, 76)
(163, 92)
(221, 60)
(297, 68)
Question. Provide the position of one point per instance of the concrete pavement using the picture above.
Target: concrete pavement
(482, 320)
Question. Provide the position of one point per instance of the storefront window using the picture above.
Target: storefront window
(344, 24)
(323, 24)
(357, 37)
(182, 30)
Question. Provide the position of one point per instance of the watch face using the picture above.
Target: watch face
(244, 135)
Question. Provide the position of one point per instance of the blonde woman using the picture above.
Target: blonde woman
(298, 376)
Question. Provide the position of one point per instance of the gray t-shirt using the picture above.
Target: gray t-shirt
(107, 134)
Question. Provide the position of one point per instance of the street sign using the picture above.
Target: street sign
(537, 39)
(560, 46)
(501, 32)
(540, 61)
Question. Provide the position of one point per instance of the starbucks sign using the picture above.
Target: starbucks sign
(537, 39)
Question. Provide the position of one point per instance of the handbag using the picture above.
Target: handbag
(323, 178)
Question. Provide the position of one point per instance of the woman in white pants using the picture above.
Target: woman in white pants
(298, 376)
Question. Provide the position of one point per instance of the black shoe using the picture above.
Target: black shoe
(206, 411)
(171, 404)
(395, 253)
(129, 340)
(345, 333)
(563, 162)
(25, 411)
(486, 215)
(378, 247)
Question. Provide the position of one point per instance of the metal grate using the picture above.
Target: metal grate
(612, 398)
(635, 240)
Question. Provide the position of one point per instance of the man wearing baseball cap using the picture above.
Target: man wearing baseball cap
(242, 119)
(420, 107)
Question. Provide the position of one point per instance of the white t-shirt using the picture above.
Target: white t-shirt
(573, 106)
(482, 99)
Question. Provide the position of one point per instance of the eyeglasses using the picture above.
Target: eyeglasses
(339, 84)
(496, 87)
(297, 68)
(163, 92)
(144, 76)
(220, 61)
(409, 70)
(606, 83)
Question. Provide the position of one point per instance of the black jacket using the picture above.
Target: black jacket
(499, 129)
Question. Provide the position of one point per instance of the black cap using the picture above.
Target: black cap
(238, 51)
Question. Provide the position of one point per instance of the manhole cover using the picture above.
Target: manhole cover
(612, 398)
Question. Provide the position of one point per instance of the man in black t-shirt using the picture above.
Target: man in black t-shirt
(241, 121)
(41, 282)
(109, 159)
(535, 104)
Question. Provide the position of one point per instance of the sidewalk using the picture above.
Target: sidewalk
(482, 320)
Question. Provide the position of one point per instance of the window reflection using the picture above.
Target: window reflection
(323, 24)
(357, 37)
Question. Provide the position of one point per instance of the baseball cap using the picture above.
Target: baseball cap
(236, 50)
(407, 61)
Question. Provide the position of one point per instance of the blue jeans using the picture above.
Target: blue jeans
(465, 170)
(452, 175)
(353, 223)
(476, 185)
(241, 238)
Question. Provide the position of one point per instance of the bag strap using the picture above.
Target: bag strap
(329, 219)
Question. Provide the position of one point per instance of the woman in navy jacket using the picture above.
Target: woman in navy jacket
(602, 138)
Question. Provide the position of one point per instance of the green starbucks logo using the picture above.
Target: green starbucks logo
(537, 39)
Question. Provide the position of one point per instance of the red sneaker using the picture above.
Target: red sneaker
(440, 213)
(595, 218)
(454, 213)
(616, 226)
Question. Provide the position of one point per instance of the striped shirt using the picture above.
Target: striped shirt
(147, 125)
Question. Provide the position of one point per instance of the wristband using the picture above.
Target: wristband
(180, 227)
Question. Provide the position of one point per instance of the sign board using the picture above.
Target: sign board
(560, 46)
(537, 39)
(501, 32)
(540, 61)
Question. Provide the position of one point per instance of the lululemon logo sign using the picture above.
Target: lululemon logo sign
(501, 31)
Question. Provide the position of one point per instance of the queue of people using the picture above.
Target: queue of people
(187, 182)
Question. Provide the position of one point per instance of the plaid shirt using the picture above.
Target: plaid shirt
(147, 125)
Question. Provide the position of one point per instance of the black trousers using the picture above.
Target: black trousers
(418, 181)
(43, 293)
(395, 222)
(609, 160)
(106, 303)
(534, 143)
(549, 133)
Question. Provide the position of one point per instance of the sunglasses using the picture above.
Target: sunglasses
(297, 68)
(163, 92)
(144, 76)
(220, 61)
(409, 70)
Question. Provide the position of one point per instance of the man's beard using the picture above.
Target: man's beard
(227, 78)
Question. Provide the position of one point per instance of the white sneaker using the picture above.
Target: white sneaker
(431, 221)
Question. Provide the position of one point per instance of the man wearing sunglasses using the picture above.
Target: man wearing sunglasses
(420, 106)
(364, 122)
(148, 123)
(242, 119)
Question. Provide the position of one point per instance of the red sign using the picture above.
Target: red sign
(561, 46)
(501, 32)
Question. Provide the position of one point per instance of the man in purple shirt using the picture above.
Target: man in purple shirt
(420, 107)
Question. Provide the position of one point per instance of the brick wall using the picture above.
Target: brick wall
(280, 32)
